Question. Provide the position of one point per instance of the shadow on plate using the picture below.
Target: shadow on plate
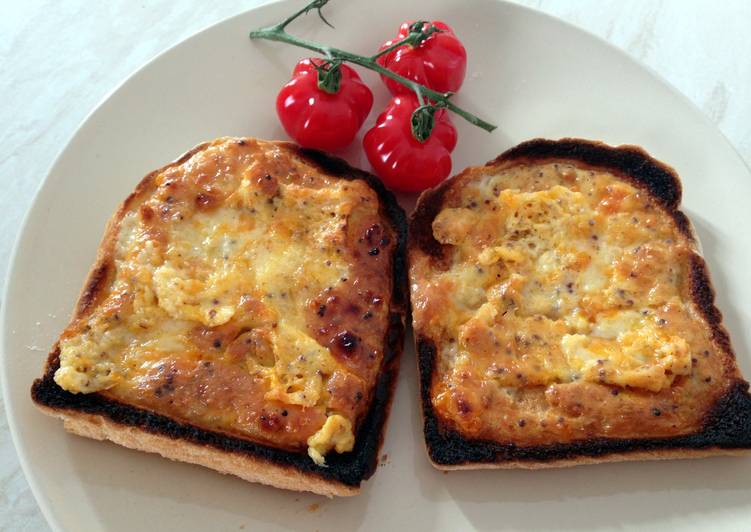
(634, 494)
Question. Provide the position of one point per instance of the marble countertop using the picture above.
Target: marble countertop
(60, 59)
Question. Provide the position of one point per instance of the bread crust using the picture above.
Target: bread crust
(96, 416)
(727, 426)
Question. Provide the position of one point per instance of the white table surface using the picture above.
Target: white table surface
(59, 59)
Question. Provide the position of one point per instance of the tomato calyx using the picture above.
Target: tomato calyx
(422, 120)
(419, 32)
(329, 75)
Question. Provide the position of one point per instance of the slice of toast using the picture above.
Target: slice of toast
(563, 315)
(246, 313)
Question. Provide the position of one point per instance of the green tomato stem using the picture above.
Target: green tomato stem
(441, 100)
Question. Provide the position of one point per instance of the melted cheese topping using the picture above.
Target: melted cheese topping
(562, 308)
(211, 315)
(336, 433)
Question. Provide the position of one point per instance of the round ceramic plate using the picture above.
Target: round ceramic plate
(531, 74)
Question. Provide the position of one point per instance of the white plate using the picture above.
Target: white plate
(531, 74)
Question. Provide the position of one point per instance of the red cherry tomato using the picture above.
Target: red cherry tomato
(439, 62)
(318, 119)
(401, 161)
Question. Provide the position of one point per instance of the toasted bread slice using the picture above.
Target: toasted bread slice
(245, 313)
(563, 315)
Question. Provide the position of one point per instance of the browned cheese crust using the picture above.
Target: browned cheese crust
(563, 315)
(228, 399)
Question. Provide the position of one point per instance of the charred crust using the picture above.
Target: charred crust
(394, 336)
(95, 285)
(682, 223)
(390, 210)
(631, 162)
(53, 362)
(702, 294)
(701, 290)
(727, 425)
(348, 469)
(428, 206)
(328, 164)
(389, 206)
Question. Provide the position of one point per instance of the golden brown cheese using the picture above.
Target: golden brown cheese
(250, 295)
(561, 310)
